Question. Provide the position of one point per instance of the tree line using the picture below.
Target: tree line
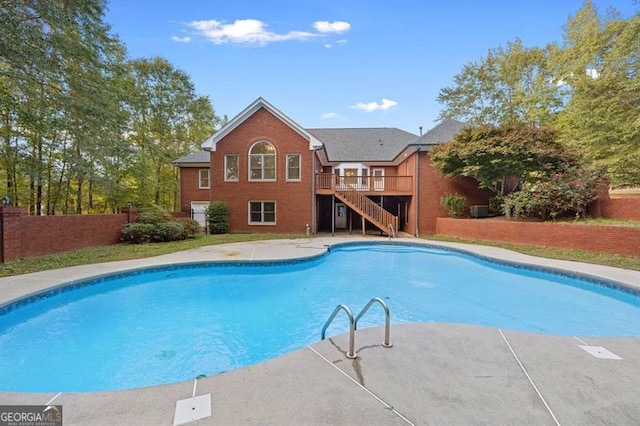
(83, 127)
(586, 88)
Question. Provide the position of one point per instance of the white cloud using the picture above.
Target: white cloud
(341, 42)
(244, 31)
(337, 27)
(177, 39)
(330, 115)
(384, 105)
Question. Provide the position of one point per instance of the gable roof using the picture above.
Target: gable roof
(365, 144)
(200, 157)
(377, 144)
(442, 133)
(210, 143)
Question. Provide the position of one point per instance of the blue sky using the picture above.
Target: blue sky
(335, 63)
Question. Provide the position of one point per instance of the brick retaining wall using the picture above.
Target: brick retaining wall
(596, 238)
(622, 208)
(28, 236)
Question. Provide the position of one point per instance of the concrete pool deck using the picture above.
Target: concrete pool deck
(434, 373)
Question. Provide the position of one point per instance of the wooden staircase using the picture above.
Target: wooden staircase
(368, 209)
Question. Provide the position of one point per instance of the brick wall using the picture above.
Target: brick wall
(293, 199)
(189, 188)
(433, 186)
(28, 236)
(609, 239)
(621, 208)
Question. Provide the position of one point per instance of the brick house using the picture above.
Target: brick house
(277, 176)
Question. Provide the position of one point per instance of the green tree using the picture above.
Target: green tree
(508, 85)
(598, 69)
(57, 110)
(167, 118)
(588, 88)
(494, 154)
(82, 128)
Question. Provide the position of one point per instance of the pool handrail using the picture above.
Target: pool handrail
(351, 354)
(387, 319)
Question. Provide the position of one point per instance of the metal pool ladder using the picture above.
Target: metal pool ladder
(353, 324)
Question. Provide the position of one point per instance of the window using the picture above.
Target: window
(262, 162)
(231, 168)
(351, 176)
(365, 178)
(262, 212)
(293, 167)
(203, 178)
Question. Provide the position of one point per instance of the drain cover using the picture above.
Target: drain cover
(599, 352)
(192, 409)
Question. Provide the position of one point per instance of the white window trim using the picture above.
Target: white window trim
(226, 178)
(275, 164)
(299, 167)
(361, 185)
(200, 178)
(275, 212)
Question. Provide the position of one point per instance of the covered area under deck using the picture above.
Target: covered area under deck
(336, 216)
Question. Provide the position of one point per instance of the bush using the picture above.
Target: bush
(167, 231)
(565, 192)
(218, 217)
(496, 204)
(137, 233)
(190, 227)
(454, 204)
(153, 214)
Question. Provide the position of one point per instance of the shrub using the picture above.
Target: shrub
(153, 214)
(496, 204)
(565, 192)
(453, 204)
(190, 227)
(218, 217)
(167, 231)
(137, 233)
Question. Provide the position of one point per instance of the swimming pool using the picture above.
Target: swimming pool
(172, 324)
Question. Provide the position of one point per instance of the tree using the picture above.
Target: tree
(57, 63)
(166, 119)
(494, 154)
(82, 128)
(508, 85)
(588, 88)
(599, 69)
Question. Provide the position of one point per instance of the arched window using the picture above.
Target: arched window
(262, 162)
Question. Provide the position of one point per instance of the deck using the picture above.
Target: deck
(329, 183)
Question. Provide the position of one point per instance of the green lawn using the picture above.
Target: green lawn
(127, 251)
(608, 259)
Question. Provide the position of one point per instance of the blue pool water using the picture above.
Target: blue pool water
(173, 324)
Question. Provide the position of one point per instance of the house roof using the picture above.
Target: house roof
(210, 143)
(197, 157)
(440, 134)
(379, 144)
(365, 144)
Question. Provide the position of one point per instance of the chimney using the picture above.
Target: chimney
(420, 130)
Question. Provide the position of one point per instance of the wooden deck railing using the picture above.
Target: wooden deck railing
(330, 181)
